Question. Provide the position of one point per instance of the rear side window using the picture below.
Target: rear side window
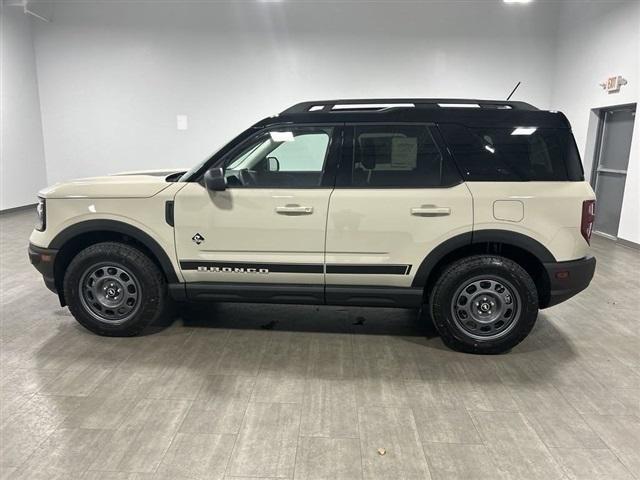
(514, 154)
(398, 156)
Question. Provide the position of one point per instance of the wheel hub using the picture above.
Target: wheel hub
(485, 308)
(110, 293)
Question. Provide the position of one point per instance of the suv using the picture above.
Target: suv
(475, 212)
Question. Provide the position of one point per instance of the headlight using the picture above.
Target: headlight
(41, 209)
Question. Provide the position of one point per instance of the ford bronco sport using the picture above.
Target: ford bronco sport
(475, 212)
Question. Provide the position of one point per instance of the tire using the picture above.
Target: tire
(115, 290)
(484, 304)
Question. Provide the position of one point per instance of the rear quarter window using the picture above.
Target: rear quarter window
(514, 154)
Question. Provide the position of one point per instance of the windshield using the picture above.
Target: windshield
(198, 166)
(222, 150)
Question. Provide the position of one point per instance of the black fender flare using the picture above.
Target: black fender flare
(115, 226)
(477, 237)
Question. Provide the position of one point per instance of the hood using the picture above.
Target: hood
(154, 173)
(141, 184)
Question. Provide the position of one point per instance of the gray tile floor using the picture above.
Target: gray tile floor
(241, 391)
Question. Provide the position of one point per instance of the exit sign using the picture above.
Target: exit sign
(613, 84)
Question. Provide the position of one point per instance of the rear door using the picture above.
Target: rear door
(397, 197)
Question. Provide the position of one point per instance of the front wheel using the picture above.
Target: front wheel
(114, 289)
(484, 304)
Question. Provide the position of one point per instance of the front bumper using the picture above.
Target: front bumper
(43, 259)
(567, 279)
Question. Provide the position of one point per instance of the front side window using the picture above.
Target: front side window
(519, 153)
(293, 158)
(397, 156)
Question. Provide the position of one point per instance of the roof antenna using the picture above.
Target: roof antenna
(513, 91)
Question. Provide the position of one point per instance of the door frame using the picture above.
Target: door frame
(597, 151)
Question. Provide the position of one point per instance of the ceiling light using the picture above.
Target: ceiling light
(458, 105)
(490, 149)
(524, 130)
(282, 136)
(517, 1)
(371, 106)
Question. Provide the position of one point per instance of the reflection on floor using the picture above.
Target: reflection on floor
(303, 392)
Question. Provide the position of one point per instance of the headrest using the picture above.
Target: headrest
(373, 150)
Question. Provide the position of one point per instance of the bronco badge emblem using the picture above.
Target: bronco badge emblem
(197, 239)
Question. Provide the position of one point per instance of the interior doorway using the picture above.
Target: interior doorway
(610, 164)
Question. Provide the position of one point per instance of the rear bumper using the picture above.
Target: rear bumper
(566, 279)
(43, 260)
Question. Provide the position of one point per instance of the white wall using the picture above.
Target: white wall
(113, 75)
(22, 166)
(597, 40)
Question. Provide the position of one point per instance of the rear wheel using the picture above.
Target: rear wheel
(484, 304)
(114, 289)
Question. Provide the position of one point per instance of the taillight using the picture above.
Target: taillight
(588, 216)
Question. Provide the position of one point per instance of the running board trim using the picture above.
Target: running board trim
(347, 295)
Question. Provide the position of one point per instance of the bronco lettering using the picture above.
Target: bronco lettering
(232, 269)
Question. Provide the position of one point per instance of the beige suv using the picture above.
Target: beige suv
(475, 212)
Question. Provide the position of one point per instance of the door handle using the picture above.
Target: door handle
(430, 211)
(294, 210)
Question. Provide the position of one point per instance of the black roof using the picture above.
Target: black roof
(481, 113)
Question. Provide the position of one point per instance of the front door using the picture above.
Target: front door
(269, 225)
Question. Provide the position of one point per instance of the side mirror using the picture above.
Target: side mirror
(214, 179)
(273, 165)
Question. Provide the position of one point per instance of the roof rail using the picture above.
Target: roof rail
(385, 104)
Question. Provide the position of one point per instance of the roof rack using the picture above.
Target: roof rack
(385, 104)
